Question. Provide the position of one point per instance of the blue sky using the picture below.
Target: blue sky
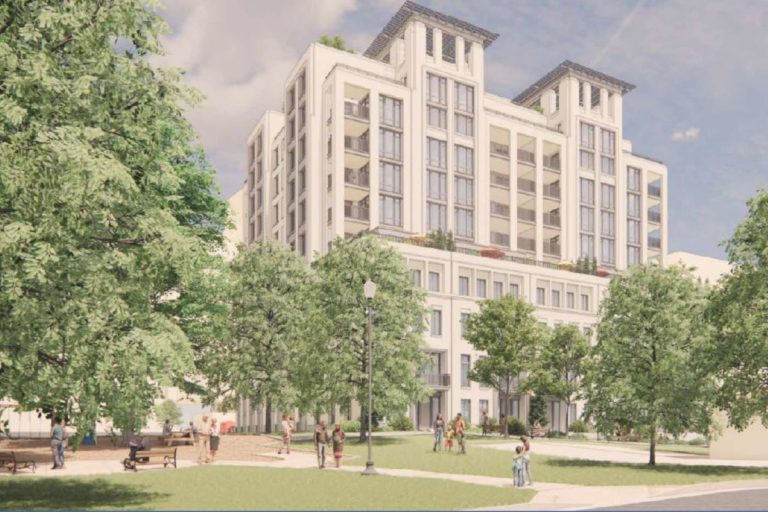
(700, 67)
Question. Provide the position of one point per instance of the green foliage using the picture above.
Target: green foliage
(168, 410)
(554, 434)
(645, 371)
(515, 427)
(578, 427)
(335, 42)
(351, 426)
(106, 206)
(537, 413)
(401, 423)
(738, 353)
(577, 436)
(443, 240)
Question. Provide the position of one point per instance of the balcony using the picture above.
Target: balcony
(356, 211)
(654, 190)
(437, 380)
(356, 110)
(552, 191)
(526, 185)
(359, 144)
(552, 219)
(552, 162)
(552, 247)
(526, 214)
(526, 157)
(499, 149)
(654, 242)
(359, 177)
(499, 180)
(526, 244)
(499, 238)
(654, 216)
(500, 209)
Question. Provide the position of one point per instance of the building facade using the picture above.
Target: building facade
(404, 140)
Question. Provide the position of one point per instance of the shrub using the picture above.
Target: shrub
(698, 441)
(351, 426)
(168, 410)
(555, 434)
(401, 423)
(579, 437)
(578, 427)
(515, 427)
(537, 414)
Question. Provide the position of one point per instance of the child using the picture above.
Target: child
(517, 468)
(338, 437)
(449, 439)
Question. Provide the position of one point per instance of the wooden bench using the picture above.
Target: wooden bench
(164, 456)
(539, 432)
(180, 438)
(9, 461)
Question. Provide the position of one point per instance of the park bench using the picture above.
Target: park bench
(164, 456)
(180, 438)
(539, 432)
(628, 438)
(9, 461)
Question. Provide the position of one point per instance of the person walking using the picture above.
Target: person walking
(459, 427)
(338, 437)
(57, 444)
(439, 428)
(321, 443)
(287, 427)
(527, 458)
(204, 438)
(486, 423)
(215, 433)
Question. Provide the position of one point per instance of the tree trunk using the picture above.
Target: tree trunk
(363, 425)
(504, 407)
(652, 459)
(567, 418)
(268, 414)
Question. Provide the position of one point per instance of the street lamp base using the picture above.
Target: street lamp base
(369, 469)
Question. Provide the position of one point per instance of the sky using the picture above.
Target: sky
(700, 67)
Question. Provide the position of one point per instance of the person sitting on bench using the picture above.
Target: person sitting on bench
(138, 444)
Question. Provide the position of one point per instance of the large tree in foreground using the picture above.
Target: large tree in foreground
(398, 357)
(511, 336)
(105, 205)
(738, 355)
(645, 371)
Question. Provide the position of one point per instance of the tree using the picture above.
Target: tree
(105, 206)
(168, 410)
(271, 318)
(335, 42)
(506, 330)
(440, 239)
(738, 354)
(537, 412)
(645, 370)
(561, 366)
(341, 370)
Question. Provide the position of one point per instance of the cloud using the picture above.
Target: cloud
(691, 133)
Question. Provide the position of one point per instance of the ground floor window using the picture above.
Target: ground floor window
(466, 411)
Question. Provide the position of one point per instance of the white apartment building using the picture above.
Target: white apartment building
(404, 139)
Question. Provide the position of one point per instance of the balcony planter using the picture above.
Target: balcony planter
(602, 273)
(492, 253)
(422, 241)
(567, 266)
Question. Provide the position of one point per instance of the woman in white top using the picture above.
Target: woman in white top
(215, 431)
(287, 427)
(527, 458)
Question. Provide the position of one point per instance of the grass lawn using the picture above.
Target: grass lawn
(415, 452)
(238, 488)
(641, 445)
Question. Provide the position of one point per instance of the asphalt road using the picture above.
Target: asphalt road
(754, 499)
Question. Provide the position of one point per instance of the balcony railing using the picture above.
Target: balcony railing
(526, 185)
(358, 144)
(654, 242)
(499, 149)
(654, 190)
(442, 380)
(359, 177)
(552, 162)
(552, 191)
(552, 219)
(654, 216)
(356, 211)
(499, 180)
(526, 214)
(499, 238)
(499, 209)
(526, 244)
(551, 248)
(356, 110)
(526, 157)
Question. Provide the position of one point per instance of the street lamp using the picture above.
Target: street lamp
(370, 290)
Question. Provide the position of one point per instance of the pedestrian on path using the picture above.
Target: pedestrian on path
(57, 444)
(287, 426)
(215, 433)
(459, 427)
(518, 465)
(321, 443)
(486, 423)
(439, 428)
(204, 438)
(527, 458)
(338, 437)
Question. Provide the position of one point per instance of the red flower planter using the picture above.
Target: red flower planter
(492, 253)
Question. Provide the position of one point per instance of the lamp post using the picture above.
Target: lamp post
(370, 290)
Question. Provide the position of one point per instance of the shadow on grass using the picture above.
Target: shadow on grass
(55, 493)
(660, 468)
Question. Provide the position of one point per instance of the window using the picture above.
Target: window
(302, 180)
(390, 144)
(391, 210)
(436, 216)
(498, 289)
(436, 323)
(587, 243)
(463, 323)
(465, 366)
(275, 158)
(463, 160)
(480, 288)
(587, 138)
(330, 215)
(633, 255)
(449, 47)
(467, 50)
(633, 179)
(581, 93)
(514, 289)
(330, 181)
(302, 117)
(464, 222)
(275, 186)
(596, 96)
(570, 300)
(464, 125)
(587, 191)
(541, 296)
(437, 117)
(437, 89)
(607, 142)
(302, 245)
(606, 166)
(430, 41)
(436, 185)
(434, 282)
(390, 177)
(587, 160)
(436, 153)
(555, 298)
(464, 286)
(484, 407)
(633, 205)
(463, 191)
(416, 277)
(607, 224)
(302, 213)
(633, 231)
(607, 251)
(584, 302)
(466, 410)
(390, 112)
(607, 196)
(259, 198)
(276, 215)
(302, 150)
(587, 219)
(464, 97)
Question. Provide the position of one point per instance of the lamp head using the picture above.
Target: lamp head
(370, 289)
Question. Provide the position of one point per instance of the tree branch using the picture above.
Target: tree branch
(69, 36)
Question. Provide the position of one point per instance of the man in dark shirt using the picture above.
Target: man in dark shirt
(321, 443)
